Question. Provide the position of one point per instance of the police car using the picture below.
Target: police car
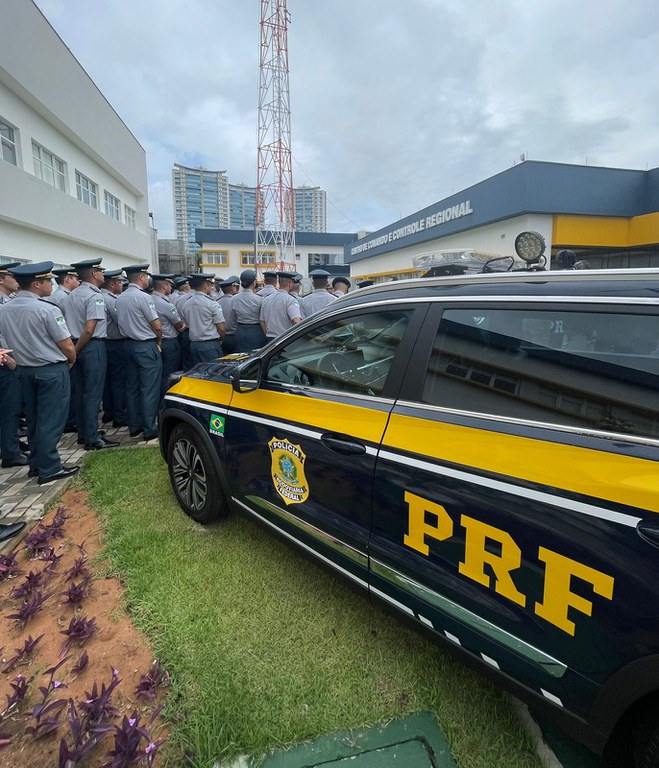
(481, 454)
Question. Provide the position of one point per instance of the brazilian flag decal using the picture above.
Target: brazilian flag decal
(216, 424)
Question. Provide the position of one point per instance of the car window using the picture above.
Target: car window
(582, 369)
(352, 354)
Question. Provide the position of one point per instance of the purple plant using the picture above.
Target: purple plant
(82, 740)
(80, 629)
(46, 714)
(147, 688)
(22, 654)
(37, 541)
(133, 744)
(82, 663)
(20, 686)
(76, 593)
(29, 608)
(56, 528)
(8, 566)
(79, 568)
(51, 558)
(97, 707)
(30, 584)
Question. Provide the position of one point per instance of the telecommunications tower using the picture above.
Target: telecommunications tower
(275, 202)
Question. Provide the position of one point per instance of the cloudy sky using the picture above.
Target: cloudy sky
(395, 103)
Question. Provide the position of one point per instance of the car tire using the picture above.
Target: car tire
(646, 740)
(194, 478)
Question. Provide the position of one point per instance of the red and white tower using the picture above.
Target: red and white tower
(275, 204)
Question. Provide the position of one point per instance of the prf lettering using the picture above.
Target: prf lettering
(486, 545)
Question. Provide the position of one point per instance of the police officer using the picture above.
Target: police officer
(246, 311)
(43, 348)
(320, 297)
(67, 281)
(340, 286)
(180, 289)
(229, 288)
(114, 394)
(85, 315)
(296, 285)
(205, 320)
(172, 325)
(139, 324)
(270, 284)
(281, 310)
(10, 387)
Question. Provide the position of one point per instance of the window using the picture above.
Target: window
(353, 354)
(7, 142)
(265, 257)
(217, 258)
(130, 217)
(597, 370)
(86, 190)
(112, 206)
(48, 168)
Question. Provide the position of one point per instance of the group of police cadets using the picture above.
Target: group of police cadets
(112, 338)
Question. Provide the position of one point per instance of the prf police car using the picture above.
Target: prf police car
(479, 452)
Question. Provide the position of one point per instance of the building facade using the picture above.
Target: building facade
(229, 251)
(73, 181)
(310, 209)
(205, 199)
(607, 216)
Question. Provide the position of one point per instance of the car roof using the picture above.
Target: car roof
(592, 283)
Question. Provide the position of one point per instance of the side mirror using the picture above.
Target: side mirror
(247, 377)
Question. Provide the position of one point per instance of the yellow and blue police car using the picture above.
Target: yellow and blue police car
(481, 454)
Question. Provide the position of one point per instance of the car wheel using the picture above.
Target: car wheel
(646, 741)
(195, 482)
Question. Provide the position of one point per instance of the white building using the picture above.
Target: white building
(73, 181)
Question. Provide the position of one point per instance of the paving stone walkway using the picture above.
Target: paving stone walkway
(22, 498)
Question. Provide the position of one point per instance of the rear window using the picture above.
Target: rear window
(598, 370)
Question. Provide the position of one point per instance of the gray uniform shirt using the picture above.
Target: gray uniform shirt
(111, 314)
(246, 307)
(314, 301)
(3, 300)
(86, 303)
(59, 297)
(135, 312)
(180, 303)
(278, 312)
(267, 290)
(226, 302)
(168, 315)
(32, 329)
(201, 315)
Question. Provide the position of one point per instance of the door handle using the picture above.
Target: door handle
(342, 445)
(649, 532)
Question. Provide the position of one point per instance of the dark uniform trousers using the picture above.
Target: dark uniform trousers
(171, 361)
(186, 357)
(205, 351)
(47, 389)
(11, 401)
(248, 336)
(143, 376)
(88, 384)
(114, 394)
(229, 343)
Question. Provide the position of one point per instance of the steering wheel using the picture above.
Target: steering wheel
(331, 368)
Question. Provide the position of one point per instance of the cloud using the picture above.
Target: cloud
(394, 105)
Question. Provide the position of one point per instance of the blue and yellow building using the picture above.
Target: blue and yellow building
(608, 216)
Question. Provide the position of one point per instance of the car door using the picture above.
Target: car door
(301, 447)
(514, 471)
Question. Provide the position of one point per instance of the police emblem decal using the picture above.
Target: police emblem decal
(216, 425)
(287, 470)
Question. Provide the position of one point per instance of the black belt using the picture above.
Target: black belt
(249, 323)
(141, 341)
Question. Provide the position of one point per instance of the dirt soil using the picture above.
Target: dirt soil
(116, 645)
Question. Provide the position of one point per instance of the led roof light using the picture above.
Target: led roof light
(530, 246)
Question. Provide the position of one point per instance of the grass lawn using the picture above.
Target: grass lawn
(264, 648)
